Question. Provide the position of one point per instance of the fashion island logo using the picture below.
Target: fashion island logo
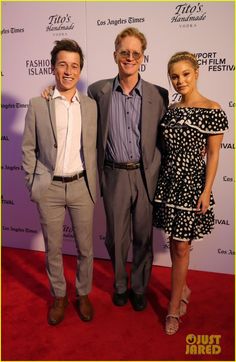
(188, 15)
(143, 66)
(38, 66)
(203, 344)
(60, 23)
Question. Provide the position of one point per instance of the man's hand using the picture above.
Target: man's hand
(46, 92)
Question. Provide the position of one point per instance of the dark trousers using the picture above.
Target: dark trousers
(129, 220)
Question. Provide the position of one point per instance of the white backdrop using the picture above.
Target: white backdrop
(29, 30)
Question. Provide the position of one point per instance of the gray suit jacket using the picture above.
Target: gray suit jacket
(154, 104)
(39, 146)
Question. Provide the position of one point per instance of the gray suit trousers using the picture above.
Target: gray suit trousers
(129, 220)
(52, 207)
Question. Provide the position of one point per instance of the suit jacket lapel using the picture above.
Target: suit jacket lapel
(52, 117)
(104, 102)
(146, 105)
(83, 118)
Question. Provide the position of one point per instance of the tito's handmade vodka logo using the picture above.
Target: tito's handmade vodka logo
(188, 13)
(58, 22)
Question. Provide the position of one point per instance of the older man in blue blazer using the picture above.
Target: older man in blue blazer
(129, 111)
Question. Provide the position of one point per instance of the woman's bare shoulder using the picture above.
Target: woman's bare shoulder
(208, 103)
(174, 105)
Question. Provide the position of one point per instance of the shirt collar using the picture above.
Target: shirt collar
(57, 94)
(138, 88)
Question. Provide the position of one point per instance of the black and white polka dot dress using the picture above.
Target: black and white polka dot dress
(182, 174)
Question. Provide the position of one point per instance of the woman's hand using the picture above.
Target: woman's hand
(203, 203)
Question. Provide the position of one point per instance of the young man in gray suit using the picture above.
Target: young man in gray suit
(59, 158)
(130, 110)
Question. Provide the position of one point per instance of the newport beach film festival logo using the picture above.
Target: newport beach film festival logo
(214, 62)
(188, 15)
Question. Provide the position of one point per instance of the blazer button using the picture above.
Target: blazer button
(55, 145)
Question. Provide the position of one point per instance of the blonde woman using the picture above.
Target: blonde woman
(183, 204)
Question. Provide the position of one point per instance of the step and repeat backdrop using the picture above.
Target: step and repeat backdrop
(29, 30)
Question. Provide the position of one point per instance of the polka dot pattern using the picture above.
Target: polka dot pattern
(183, 169)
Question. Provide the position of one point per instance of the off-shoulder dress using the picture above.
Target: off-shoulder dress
(183, 171)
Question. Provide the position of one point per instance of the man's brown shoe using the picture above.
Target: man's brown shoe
(85, 308)
(57, 311)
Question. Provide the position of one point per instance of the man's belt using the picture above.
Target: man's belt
(123, 165)
(69, 178)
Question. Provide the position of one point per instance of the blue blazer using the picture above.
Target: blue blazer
(154, 105)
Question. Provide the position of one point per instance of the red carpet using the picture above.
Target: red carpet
(115, 333)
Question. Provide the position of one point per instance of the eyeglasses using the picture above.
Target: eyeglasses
(127, 54)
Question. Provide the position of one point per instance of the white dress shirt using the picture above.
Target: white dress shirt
(69, 141)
